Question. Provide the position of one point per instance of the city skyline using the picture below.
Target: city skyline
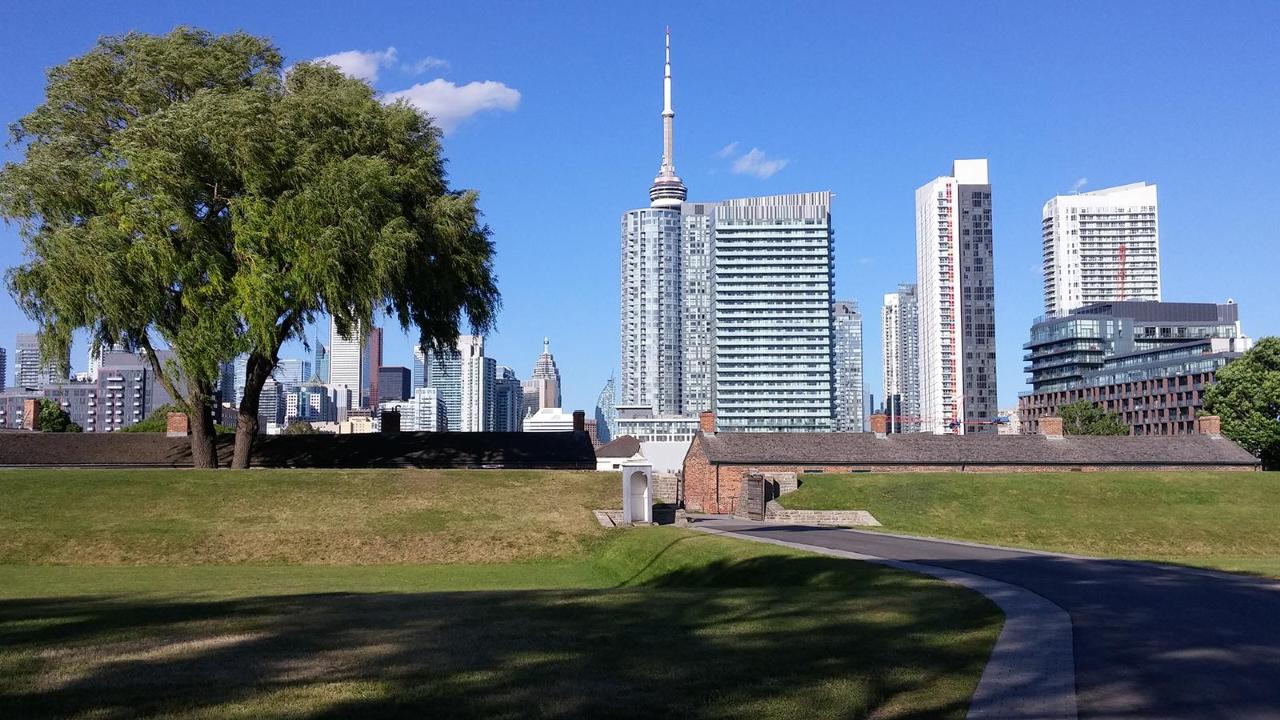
(1032, 157)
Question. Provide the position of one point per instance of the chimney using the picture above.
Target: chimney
(1210, 425)
(579, 421)
(880, 424)
(707, 422)
(31, 413)
(176, 424)
(390, 421)
(1051, 427)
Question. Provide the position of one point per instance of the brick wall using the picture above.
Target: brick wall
(177, 424)
(717, 488)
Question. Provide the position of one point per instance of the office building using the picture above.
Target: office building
(444, 375)
(847, 353)
(549, 419)
(651, 281)
(271, 405)
(607, 412)
(370, 361)
(394, 383)
(419, 378)
(640, 422)
(773, 284)
(900, 347)
(346, 359)
(542, 389)
(479, 380)
(4, 368)
(1148, 362)
(321, 364)
(508, 401)
(1101, 246)
(292, 371)
(956, 300)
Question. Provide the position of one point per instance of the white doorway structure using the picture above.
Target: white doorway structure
(637, 492)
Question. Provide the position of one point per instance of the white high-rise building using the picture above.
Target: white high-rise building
(1101, 246)
(346, 360)
(773, 284)
(901, 358)
(651, 351)
(847, 341)
(956, 296)
(479, 385)
(28, 371)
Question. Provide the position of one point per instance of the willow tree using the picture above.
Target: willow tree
(181, 191)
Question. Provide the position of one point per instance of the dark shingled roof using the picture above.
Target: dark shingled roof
(927, 449)
(623, 447)
(559, 450)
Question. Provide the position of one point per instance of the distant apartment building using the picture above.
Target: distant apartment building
(125, 392)
(4, 368)
(321, 363)
(419, 376)
(847, 341)
(508, 401)
(900, 349)
(394, 383)
(422, 412)
(28, 371)
(479, 385)
(697, 338)
(1148, 362)
(955, 282)
(1101, 246)
(773, 281)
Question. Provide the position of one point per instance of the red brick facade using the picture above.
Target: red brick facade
(176, 424)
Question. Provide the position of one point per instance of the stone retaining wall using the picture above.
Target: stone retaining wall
(841, 518)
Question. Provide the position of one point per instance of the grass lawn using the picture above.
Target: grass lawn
(446, 594)
(1224, 520)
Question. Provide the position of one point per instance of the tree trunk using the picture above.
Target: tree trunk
(257, 370)
(204, 449)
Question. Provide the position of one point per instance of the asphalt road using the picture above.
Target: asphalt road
(1150, 641)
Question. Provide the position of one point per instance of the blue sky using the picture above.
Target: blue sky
(561, 132)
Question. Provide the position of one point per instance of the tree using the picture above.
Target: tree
(300, 427)
(181, 190)
(1246, 395)
(1084, 418)
(52, 418)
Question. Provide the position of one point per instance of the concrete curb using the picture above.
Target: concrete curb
(1031, 671)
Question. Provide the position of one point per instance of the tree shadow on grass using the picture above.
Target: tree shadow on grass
(817, 640)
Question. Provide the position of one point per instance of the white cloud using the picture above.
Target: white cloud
(728, 150)
(449, 104)
(757, 163)
(362, 64)
(1079, 184)
(425, 64)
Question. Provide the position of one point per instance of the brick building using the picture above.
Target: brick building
(716, 462)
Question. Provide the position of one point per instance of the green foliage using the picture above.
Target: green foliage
(1084, 418)
(1246, 395)
(300, 427)
(52, 418)
(182, 187)
(156, 422)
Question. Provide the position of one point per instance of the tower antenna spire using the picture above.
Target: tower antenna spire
(668, 190)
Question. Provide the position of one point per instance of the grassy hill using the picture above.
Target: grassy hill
(189, 594)
(1224, 520)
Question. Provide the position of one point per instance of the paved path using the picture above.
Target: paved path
(1149, 641)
